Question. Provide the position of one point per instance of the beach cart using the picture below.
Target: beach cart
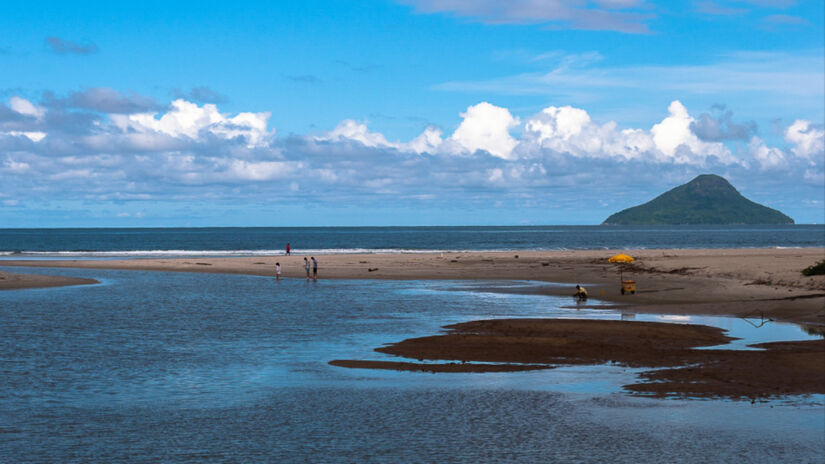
(628, 286)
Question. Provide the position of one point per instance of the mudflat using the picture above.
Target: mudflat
(677, 368)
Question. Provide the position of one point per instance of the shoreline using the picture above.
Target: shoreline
(722, 282)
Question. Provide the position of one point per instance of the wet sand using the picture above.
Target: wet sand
(731, 282)
(784, 368)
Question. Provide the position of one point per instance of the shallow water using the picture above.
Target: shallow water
(151, 366)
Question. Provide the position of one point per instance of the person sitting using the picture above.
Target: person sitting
(581, 293)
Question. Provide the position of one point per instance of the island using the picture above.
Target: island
(707, 199)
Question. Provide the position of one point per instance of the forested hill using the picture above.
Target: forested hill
(707, 199)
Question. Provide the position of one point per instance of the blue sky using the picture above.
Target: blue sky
(403, 112)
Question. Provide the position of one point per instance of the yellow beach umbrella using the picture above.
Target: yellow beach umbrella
(621, 258)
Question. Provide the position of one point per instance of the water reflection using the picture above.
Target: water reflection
(164, 367)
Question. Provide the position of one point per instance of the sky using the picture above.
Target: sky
(403, 112)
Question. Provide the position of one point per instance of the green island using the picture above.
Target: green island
(707, 199)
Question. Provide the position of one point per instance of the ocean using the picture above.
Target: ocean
(251, 241)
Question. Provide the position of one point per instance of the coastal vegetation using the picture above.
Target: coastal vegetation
(815, 269)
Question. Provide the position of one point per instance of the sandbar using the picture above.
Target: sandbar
(14, 281)
(760, 282)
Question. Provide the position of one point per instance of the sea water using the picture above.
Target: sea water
(252, 241)
(176, 367)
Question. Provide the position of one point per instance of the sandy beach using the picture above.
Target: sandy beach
(732, 282)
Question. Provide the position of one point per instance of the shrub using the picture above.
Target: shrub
(815, 269)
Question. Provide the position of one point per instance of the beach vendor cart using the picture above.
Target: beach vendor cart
(628, 286)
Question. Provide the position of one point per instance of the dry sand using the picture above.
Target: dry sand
(734, 282)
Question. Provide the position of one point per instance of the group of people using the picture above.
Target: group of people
(309, 264)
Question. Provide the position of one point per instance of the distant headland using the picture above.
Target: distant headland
(707, 199)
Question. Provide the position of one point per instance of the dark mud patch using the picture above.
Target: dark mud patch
(677, 369)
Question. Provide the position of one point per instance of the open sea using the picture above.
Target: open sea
(180, 368)
(250, 241)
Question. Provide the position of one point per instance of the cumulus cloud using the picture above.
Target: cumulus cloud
(350, 129)
(769, 158)
(487, 127)
(808, 140)
(192, 151)
(427, 142)
(189, 120)
(674, 139)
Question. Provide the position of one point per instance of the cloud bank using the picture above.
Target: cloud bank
(102, 145)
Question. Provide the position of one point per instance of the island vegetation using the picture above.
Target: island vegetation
(707, 199)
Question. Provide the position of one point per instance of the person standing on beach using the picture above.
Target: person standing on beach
(306, 266)
(278, 271)
(314, 269)
(287, 249)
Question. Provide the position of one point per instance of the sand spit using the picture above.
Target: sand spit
(10, 281)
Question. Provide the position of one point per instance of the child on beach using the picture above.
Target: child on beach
(581, 293)
(277, 271)
(314, 269)
(306, 266)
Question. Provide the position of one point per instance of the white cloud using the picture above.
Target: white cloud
(186, 119)
(768, 157)
(487, 127)
(427, 142)
(570, 130)
(191, 152)
(23, 106)
(558, 123)
(349, 129)
(675, 140)
(34, 136)
(808, 140)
